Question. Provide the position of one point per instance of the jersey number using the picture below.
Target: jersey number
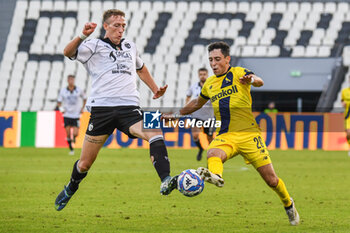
(259, 142)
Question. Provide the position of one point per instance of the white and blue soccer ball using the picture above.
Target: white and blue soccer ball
(189, 183)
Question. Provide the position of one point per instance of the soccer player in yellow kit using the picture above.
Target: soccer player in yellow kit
(229, 92)
(345, 100)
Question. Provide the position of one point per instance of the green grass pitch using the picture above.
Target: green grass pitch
(121, 194)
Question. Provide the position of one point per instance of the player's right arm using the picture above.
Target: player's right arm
(71, 48)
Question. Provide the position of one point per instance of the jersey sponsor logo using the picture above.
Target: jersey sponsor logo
(91, 126)
(224, 93)
(114, 55)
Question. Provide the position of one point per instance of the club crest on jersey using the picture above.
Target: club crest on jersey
(91, 126)
(127, 45)
(224, 93)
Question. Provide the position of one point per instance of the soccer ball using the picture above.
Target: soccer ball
(189, 183)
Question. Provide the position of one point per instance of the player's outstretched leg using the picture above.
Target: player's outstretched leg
(292, 213)
(160, 160)
(68, 191)
(213, 174)
(276, 184)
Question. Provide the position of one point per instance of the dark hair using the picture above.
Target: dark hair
(203, 69)
(71, 76)
(225, 49)
(112, 12)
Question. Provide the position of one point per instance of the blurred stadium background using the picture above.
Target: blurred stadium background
(300, 48)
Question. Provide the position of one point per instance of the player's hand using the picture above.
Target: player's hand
(160, 92)
(246, 79)
(89, 28)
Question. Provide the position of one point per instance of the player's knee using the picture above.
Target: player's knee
(212, 153)
(272, 181)
(84, 166)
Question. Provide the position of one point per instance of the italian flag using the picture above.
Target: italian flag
(42, 129)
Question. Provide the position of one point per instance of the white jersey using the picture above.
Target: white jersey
(112, 70)
(206, 111)
(71, 101)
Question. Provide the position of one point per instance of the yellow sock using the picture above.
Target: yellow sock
(282, 192)
(215, 165)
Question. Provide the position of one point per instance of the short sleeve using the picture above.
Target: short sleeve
(240, 71)
(85, 51)
(139, 62)
(204, 92)
(82, 94)
(189, 92)
(60, 97)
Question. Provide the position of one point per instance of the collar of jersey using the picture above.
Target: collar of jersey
(219, 76)
(75, 87)
(115, 46)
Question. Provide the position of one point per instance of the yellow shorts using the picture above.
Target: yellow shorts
(249, 144)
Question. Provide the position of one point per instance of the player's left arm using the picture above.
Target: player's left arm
(253, 79)
(147, 78)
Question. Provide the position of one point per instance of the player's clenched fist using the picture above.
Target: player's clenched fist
(89, 28)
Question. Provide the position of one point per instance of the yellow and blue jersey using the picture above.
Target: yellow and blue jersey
(231, 101)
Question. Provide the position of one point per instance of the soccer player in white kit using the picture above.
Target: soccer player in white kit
(113, 64)
(203, 114)
(69, 103)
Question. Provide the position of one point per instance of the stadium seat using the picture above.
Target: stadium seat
(207, 7)
(243, 7)
(219, 7)
(280, 7)
(346, 56)
(324, 51)
(318, 7)
(298, 51)
(330, 7)
(256, 7)
(311, 51)
(305, 7)
(34, 9)
(268, 7)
